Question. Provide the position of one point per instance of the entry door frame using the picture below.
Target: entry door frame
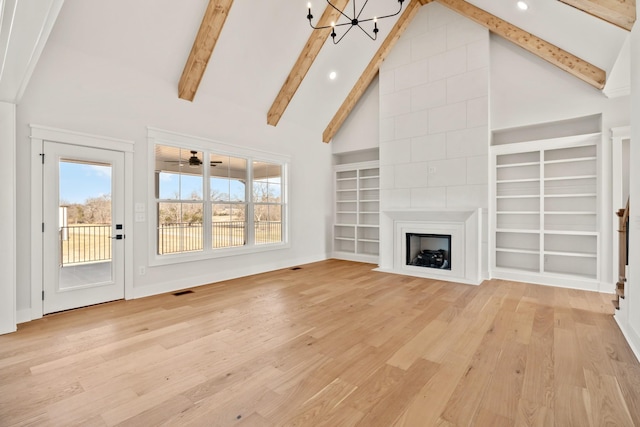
(39, 135)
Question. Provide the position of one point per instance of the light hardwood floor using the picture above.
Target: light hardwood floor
(331, 344)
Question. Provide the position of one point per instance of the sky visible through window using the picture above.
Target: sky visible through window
(82, 181)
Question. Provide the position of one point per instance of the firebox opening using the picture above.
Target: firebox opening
(429, 250)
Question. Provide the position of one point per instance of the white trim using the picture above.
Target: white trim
(618, 136)
(633, 339)
(8, 285)
(219, 276)
(617, 92)
(40, 134)
(23, 316)
(64, 136)
(158, 136)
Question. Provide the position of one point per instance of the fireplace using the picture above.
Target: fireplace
(452, 235)
(428, 250)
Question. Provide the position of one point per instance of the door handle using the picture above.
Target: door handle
(118, 237)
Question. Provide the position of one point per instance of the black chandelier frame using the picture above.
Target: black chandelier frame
(352, 22)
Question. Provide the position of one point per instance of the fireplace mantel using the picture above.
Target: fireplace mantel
(464, 225)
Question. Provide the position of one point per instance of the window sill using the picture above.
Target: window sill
(169, 259)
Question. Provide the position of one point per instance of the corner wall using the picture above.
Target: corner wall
(629, 315)
(8, 218)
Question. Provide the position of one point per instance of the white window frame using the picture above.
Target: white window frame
(207, 146)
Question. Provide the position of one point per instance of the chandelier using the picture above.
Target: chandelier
(353, 21)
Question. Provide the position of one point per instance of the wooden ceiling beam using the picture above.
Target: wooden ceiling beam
(568, 62)
(208, 34)
(372, 69)
(617, 12)
(303, 63)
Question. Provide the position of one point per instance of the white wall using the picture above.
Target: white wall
(629, 315)
(73, 90)
(527, 90)
(360, 131)
(7, 218)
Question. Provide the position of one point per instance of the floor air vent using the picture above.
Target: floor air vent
(296, 268)
(177, 294)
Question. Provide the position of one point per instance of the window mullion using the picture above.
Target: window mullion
(251, 238)
(207, 212)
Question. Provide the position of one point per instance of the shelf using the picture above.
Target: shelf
(518, 212)
(570, 213)
(570, 195)
(567, 178)
(518, 230)
(518, 251)
(549, 195)
(518, 270)
(570, 233)
(507, 181)
(515, 165)
(570, 160)
(356, 233)
(572, 254)
(521, 196)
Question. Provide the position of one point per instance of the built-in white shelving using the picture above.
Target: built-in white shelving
(545, 209)
(356, 234)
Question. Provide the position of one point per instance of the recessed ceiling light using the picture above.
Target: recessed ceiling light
(333, 75)
(522, 5)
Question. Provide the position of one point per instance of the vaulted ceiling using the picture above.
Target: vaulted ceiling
(620, 13)
(265, 57)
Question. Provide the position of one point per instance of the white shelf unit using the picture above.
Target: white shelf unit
(356, 234)
(545, 222)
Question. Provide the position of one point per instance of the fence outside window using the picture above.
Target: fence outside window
(85, 243)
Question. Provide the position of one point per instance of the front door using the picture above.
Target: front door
(83, 190)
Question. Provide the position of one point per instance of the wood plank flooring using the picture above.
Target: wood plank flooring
(331, 344)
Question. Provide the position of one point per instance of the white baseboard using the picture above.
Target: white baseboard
(548, 280)
(23, 315)
(191, 282)
(631, 336)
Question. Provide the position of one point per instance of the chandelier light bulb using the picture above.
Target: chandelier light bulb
(353, 21)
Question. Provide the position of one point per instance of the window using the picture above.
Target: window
(242, 196)
(228, 177)
(267, 202)
(179, 183)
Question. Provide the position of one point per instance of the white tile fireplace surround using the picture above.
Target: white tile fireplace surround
(464, 227)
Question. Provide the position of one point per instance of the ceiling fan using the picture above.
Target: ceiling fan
(194, 161)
